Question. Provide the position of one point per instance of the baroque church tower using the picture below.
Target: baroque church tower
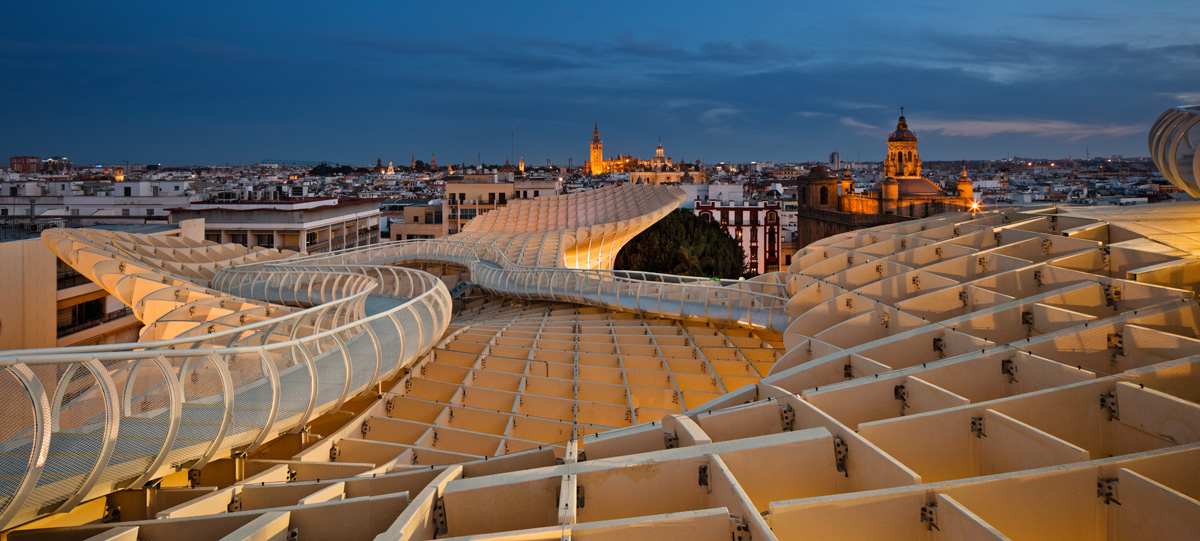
(902, 159)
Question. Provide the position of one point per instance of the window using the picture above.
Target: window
(128, 191)
(238, 238)
(824, 195)
(503, 197)
(266, 241)
(124, 212)
(462, 198)
(417, 219)
(310, 238)
(737, 217)
(3, 212)
(149, 212)
(535, 193)
(706, 215)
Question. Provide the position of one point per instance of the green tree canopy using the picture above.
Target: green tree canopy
(684, 243)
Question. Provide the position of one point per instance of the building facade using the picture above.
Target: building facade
(828, 204)
(26, 165)
(755, 225)
(301, 225)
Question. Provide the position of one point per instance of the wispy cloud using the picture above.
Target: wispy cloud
(1188, 97)
(857, 105)
(718, 114)
(862, 127)
(813, 114)
(1071, 131)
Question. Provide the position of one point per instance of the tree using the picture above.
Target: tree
(684, 243)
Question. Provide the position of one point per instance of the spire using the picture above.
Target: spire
(596, 133)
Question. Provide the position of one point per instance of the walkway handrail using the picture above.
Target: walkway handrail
(165, 405)
(670, 296)
(100, 418)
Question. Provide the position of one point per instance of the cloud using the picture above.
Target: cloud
(863, 128)
(857, 105)
(1071, 131)
(718, 114)
(1188, 97)
(813, 114)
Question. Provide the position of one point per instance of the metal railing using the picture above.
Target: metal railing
(85, 421)
(750, 303)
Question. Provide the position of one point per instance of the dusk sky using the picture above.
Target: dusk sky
(229, 82)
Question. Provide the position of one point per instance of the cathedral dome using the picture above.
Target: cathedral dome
(902, 132)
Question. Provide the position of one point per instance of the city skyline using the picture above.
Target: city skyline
(211, 84)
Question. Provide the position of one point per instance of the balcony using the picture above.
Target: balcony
(74, 327)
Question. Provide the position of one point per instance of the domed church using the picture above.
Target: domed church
(827, 205)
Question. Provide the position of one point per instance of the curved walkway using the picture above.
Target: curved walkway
(260, 349)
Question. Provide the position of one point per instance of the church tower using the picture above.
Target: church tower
(966, 187)
(597, 162)
(903, 159)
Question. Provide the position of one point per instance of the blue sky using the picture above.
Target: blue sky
(228, 82)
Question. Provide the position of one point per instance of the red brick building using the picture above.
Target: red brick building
(25, 164)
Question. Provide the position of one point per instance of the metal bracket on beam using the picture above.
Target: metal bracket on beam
(840, 452)
(787, 417)
(929, 517)
(1108, 401)
(439, 516)
(977, 427)
(1106, 487)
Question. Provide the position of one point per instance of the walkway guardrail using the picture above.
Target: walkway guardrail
(82, 422)
(750, 303)
(85, 421)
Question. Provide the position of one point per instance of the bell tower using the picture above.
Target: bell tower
(903, 160)
(597, 161)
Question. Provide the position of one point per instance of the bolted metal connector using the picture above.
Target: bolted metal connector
(1106, 488)
(112, 513)
(787, 417)
(1108, 401)
(929, 517)
(977, 427)
(840, 452)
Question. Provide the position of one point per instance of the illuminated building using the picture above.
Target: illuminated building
(1026, 373)
(828, 205)
(658, 170)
